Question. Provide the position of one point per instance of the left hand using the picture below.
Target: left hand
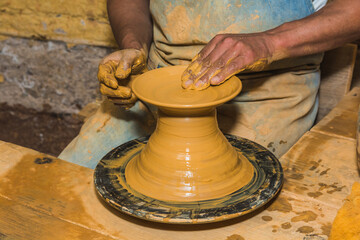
(226, 55)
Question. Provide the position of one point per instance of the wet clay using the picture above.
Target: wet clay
(187, 158)
(347, 221)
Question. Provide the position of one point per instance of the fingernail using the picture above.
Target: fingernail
(188, 83)
(199, 83)
(215, 80)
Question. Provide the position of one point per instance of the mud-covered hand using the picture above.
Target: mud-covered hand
(116, 72)
(226, 55)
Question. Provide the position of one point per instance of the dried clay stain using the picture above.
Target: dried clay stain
(103, 124)
(266, 218)
(297, 176)
(315, 165)
(332, 188)
(275, 228)
(326, 229)
(305, 229)
(280, 204)
(44, 188)
(314, 194)
(179, 24)
(324, 172)
(305, 216)
(286, 225)
(235, 237)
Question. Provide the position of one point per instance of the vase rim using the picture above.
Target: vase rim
(150, 87)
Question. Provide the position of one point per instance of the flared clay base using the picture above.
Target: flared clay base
(112, 186)
(187, 158)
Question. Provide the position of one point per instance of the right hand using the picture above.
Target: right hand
(115, 75)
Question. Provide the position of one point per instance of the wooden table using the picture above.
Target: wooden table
(42, 197)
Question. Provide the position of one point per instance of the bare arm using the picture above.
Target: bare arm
(131, 23)
(228, 54)
(332, 26)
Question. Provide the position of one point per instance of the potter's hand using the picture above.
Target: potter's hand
(116, 72)
(226, 55)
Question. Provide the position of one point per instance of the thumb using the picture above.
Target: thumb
(123, 69)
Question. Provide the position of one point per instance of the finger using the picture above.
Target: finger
(139, 64)
(132, 63)
(258, 65)
(198, 66)
(233, 67)
(106, 74)
(218, 60)
(120, 92)
(190, 74)
(123, 70)
(196, 71)
(236, 66)
(121, 101)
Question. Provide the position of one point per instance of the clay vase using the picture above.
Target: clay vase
(187, 158)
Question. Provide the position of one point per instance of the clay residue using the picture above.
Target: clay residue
(338, 189)
(266, 218)
(331, 188)
(294, 187)
(286, 225)
(235, 237)
(179, 25)
(326, 229)
(347, 221)
(305, 216)
(297, 176)
(280, 204)
(103, 124)
(314, 166)
(275, 228)
(324, 172)
(45, 187)
(305, 229)
(314, 194)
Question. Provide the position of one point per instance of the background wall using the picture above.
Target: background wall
(49, 52)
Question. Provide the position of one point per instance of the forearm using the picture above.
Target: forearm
(131, 23)
(337, 23)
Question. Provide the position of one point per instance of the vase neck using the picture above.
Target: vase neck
(193, 124)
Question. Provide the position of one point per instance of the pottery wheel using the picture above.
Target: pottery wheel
(111, 184)
(187, 171)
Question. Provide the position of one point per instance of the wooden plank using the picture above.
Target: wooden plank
(66, 191)
(342, 120)
(336, 75)
(321, 168)
(21, 222)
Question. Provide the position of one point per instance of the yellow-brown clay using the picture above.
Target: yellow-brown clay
(187, 158)
(347, 221)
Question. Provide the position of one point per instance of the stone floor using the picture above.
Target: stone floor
(35, 73)
(43, 131)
